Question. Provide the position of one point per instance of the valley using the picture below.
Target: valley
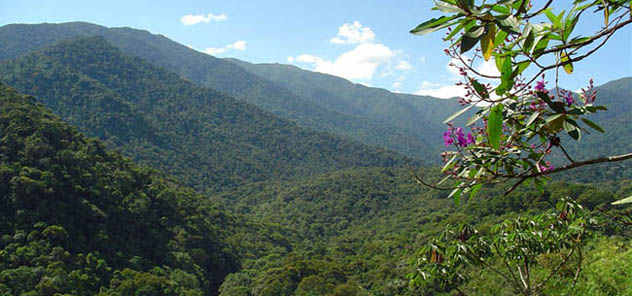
(134, 165)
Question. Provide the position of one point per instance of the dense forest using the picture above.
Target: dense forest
(182, 185)
(306, 109)
(211, 141)
(79, 220)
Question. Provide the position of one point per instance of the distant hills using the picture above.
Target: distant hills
(291, 209)
(409, 124)
(369, 115)
(206, 138)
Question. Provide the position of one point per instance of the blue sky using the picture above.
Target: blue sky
(364, 41)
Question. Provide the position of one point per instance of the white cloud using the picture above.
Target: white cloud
(290, 59)
(190, 19)
(396, 85)
(488, 68)
(359, 63)
(440, 91)
(404, 66)
(352, 34)
(239, 45)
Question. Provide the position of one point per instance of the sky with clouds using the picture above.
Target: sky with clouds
(365, 41)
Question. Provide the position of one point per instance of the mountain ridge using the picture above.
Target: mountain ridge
(226, 77)
(208, 139)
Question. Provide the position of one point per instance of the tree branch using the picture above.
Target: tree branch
(422, 182)
(553, 272)
(588, 41)
(582, 163)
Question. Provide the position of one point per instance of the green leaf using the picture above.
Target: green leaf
(568, 67)
(456, 195)
(593, 125)
(454, 31)
(487, 42)
(540, 46)
(509, 24)
(495, 126)
(480, 89)
(499, 63)
(571, 128)
(471, 37)
(449, 164)
(556, 106)
(623, 201)
(550, 15)
(500, 37)
(444, 179)
(445, 6)
(475, 118)
(569, 26)
(532, 118)
(457, 114)
(432, 25)
(474, 190)
(554, 117)
(506, 78)
(528, 42)
(520, 67)
(467, 43)
(555, 123)
(501, 9)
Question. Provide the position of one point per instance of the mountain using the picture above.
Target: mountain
(357, 230)
(207, 139)
(392, 122)
(617, 97)
(408, 112)
(77, 220)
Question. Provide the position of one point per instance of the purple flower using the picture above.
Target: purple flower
(447, 138)
(470, 139)
(461, 137)
(547, 167)
(569, 98)
(540, 85)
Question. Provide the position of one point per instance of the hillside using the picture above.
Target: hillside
(386, 130)
(408, 112)
(205, 138)
(77, 220)
(357, 230)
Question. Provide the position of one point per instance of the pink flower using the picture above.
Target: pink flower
(447, 138)
(540, 86)
(569, 98)
(545, 168)
(470, 139)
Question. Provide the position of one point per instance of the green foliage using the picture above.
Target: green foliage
(524, 122)
(321, 102)
(207, 139)
(520, 244)
(78, 220)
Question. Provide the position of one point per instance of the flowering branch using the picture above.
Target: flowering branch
(521, 122)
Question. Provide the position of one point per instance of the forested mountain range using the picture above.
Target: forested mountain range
(288, 210)
(391, 122)
(422, 114)
(78, 220)
(405, 123)
(209, 140)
